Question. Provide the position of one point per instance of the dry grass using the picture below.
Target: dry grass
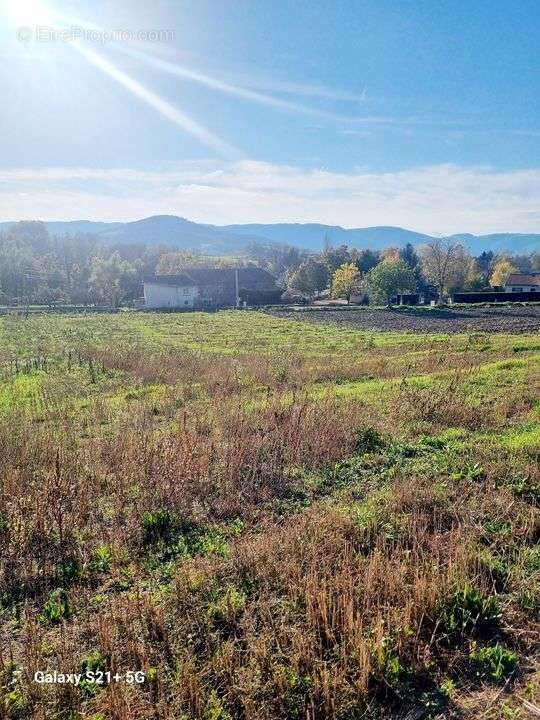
(262, 550)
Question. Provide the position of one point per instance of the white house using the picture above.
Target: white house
(178, 292)
(523, 282)
(209, 288)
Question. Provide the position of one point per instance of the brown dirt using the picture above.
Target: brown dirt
(444, 320)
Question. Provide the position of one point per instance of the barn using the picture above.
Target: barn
(199, 288)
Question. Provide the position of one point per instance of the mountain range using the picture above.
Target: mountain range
(221, 239)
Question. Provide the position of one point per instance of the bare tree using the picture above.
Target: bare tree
(444, 262)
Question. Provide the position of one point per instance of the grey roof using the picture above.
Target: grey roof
(172, 280)
(211, 276)
(523, 279)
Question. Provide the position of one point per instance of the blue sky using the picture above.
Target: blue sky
(421, 113)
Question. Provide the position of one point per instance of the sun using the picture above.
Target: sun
(28, 12)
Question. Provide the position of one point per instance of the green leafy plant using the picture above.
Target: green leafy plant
(100, 560)
(158, 525)
(68, 571)
(57, 607)
(469, 610)
(368, 440)
(93, 662)
(495, 663)
(299, 688)
(215, 709)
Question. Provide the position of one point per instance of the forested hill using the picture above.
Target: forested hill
(187, 235)
(39, 267)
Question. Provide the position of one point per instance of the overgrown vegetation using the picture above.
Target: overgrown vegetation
(269, 518)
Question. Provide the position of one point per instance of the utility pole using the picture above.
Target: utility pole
(237, 303)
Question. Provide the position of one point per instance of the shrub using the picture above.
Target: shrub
(68, 571)
(56, 608)
(368, 440)
(93, 662)
(469, 610)
(495, 662)
(101, 559)
(157, 525)
(299, 688)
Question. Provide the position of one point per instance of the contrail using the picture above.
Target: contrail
(211, 82)
(163, 107)
(228, 88)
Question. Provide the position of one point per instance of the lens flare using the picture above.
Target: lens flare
(28, 12)
(165, 109)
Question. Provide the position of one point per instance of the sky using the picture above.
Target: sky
(418, 113)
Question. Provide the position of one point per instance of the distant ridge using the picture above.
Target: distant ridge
(187, 235)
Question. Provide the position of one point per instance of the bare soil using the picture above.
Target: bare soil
(444, 320)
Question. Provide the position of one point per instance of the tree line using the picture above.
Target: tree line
(40, 268)
(442, 266)
(37, 267)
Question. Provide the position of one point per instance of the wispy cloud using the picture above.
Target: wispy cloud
(440, 198)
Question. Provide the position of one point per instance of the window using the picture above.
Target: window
(516, 289)
(187, 291)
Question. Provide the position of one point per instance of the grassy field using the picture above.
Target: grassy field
(269, 518)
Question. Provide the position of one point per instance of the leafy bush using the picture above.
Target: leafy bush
(368, 440)
(101, 559)
(158, 525)
(468, 610)
(56, 608)
(93, 662)
(495, 662)
(68, 571)
(299, 687)
(170, 538)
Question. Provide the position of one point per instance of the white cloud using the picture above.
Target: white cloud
(440, 198)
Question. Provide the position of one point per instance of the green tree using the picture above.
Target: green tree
(389, 278)
(311, 277)
(332, 257)
(367, 259)
(484, 264)
(346, 280)
(473, 280)
(110, 278)
(409, 255)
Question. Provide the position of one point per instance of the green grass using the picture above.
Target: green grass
(158, 470)
(232, 335)
(21, 392)
(226, 332)
(526, 438)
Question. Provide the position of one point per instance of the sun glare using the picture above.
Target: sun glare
(28, 12)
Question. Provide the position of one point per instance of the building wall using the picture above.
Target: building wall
(169, 296)
(521, 288)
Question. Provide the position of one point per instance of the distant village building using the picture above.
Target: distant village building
(200, 288)
(523, 282)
